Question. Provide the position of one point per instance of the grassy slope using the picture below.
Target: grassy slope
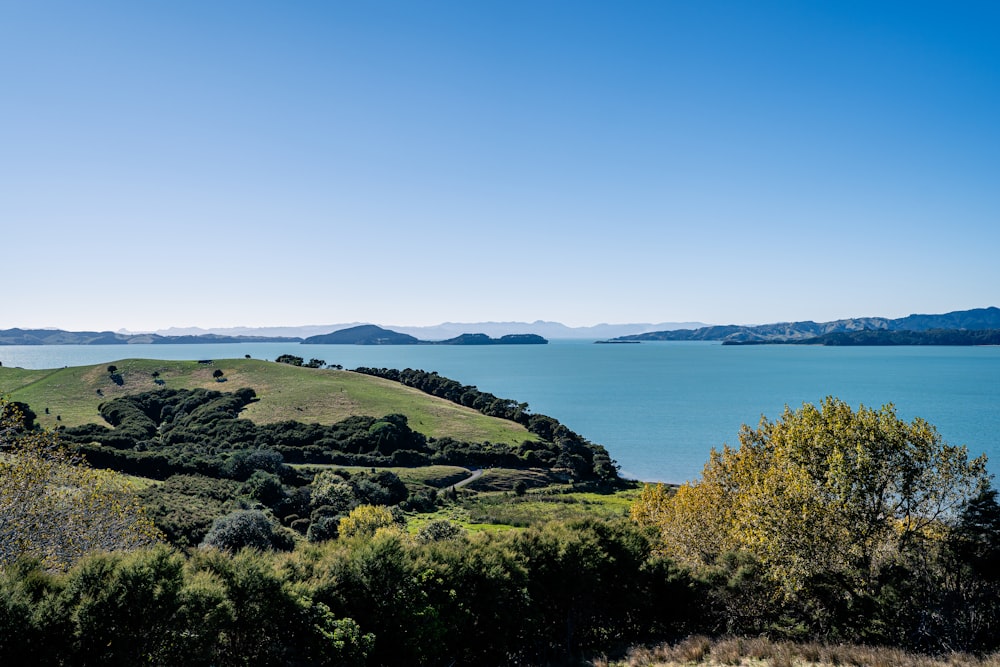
(285, 392)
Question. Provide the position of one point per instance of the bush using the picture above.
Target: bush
(247, 529)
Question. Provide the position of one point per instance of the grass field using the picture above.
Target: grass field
(72, 395)
(504, 510)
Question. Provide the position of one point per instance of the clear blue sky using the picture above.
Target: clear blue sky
(245, 163)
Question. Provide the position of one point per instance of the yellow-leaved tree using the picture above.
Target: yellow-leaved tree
(366, 520)
(823, 492)
(56, 508)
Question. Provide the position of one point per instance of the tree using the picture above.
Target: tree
(366, 520)
(244, 529)
(289, 359)
(438, 530)
(56, 508)
(823, 493)
(264, 487)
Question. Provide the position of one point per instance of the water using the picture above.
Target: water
(658, 407)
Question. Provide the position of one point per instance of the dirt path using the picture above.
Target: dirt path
(476, 474)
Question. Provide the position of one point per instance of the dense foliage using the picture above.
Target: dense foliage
(523, 597)
(159, 607)
(584, 459)
(835, 523)
(828, 524)
(176, 431)
(53, 506)
(213, 463)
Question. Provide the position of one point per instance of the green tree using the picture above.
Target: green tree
(822, 494)
(56, 508)
(264, 487)
(438, 530)
(245, 529)
(289, 359)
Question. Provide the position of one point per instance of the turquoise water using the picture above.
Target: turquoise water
(658, 407)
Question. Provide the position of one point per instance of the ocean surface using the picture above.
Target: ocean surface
(658, 407)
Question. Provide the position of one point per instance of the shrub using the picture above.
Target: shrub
(247, 529)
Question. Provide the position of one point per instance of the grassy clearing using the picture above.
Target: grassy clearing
(72, 395)
(759, 652)
(504, 510)
(553, 504)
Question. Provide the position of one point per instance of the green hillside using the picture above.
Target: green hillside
(72, 395)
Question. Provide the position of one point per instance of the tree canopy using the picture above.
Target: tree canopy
(823, 492)
(56, 508)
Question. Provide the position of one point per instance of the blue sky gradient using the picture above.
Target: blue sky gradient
(242, 163)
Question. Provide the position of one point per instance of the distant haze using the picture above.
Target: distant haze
(447, 329)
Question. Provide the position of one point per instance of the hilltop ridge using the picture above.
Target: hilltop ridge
(977, 319)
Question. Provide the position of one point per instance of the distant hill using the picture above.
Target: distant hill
(59, 337)
(977, 319)
(882, 337)
(483, 339)
(440, 332)
(365, 334)
(446, 330)
(545, 329)
(72, 396)
(369, 334)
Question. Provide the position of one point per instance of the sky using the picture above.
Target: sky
(250, 163)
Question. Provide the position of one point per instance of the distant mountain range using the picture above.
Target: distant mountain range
(365, 334)
(550, 330)
(59, 337)
(856, 331)
(835, 333)
(449, 331)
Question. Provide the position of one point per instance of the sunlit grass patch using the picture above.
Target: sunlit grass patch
(71, 396)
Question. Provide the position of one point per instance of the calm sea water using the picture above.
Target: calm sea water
(658, 407)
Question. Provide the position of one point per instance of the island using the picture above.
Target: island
(369, 334)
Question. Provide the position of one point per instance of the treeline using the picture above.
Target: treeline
(212, 463)
(177, 431)
(522, 597)
(548, 594)
(843, 526)
(585, 459)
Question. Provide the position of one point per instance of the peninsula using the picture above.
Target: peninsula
(962, 327)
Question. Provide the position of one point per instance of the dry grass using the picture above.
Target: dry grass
(759, 652)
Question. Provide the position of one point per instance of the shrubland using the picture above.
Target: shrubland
(291, 543)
